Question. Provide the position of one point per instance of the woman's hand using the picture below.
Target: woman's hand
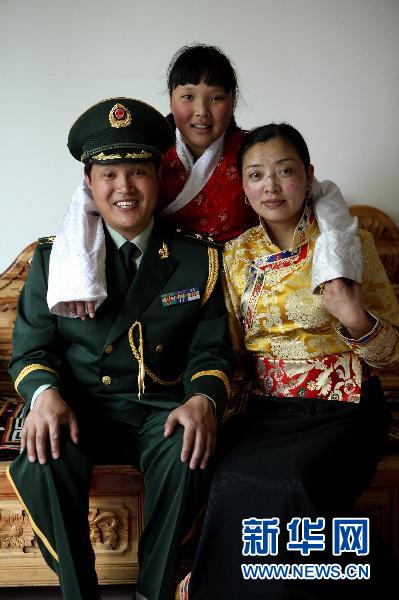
(81, 309)
(343, 300)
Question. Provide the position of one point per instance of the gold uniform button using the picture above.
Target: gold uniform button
(159, 348)
(106, 380)
(109, 349)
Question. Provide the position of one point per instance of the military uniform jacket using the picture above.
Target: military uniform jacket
(171, 320)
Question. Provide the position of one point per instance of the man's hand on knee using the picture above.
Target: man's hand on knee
(197, 416)
(43, 423)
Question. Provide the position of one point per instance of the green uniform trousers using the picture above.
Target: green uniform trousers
(56, 498)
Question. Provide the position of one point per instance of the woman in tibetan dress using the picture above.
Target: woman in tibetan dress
(309, 420)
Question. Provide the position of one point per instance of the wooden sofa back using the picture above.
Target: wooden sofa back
(386, 238)
(11, 283)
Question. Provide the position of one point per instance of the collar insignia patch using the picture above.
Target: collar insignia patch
(164, 251)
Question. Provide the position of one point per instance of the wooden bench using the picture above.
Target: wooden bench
(116, 498)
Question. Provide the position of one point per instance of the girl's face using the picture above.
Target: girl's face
(202, 114)
(275, 182)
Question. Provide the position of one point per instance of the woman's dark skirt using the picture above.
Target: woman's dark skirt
(289, 458)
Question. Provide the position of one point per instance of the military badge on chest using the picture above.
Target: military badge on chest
(180, 297)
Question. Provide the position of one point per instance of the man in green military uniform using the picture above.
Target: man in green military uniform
(143, 382)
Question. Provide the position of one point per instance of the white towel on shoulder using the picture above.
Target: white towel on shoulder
(77, 260)
(338, 251)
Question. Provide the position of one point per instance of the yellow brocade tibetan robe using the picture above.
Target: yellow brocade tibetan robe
(298, 348)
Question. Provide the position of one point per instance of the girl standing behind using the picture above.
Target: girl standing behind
(200, 187)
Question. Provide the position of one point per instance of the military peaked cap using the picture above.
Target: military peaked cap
(119, 129)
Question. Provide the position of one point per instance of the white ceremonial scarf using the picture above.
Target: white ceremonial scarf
(338, 250)
(77, 259)
(199, 171)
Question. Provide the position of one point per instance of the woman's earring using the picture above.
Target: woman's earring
(246, 200)
(308, 194)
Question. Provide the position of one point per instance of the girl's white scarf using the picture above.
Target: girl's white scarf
(199, 171)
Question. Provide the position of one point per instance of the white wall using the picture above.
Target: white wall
(329, 67)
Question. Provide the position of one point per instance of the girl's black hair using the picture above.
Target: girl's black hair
(201, 62)
(269, 132)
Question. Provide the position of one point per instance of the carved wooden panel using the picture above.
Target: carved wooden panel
(115, 520)
(16, 534)
(115, 527)
(109, 529)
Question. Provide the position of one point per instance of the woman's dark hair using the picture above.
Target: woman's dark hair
(200, 62)
(269, 132)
